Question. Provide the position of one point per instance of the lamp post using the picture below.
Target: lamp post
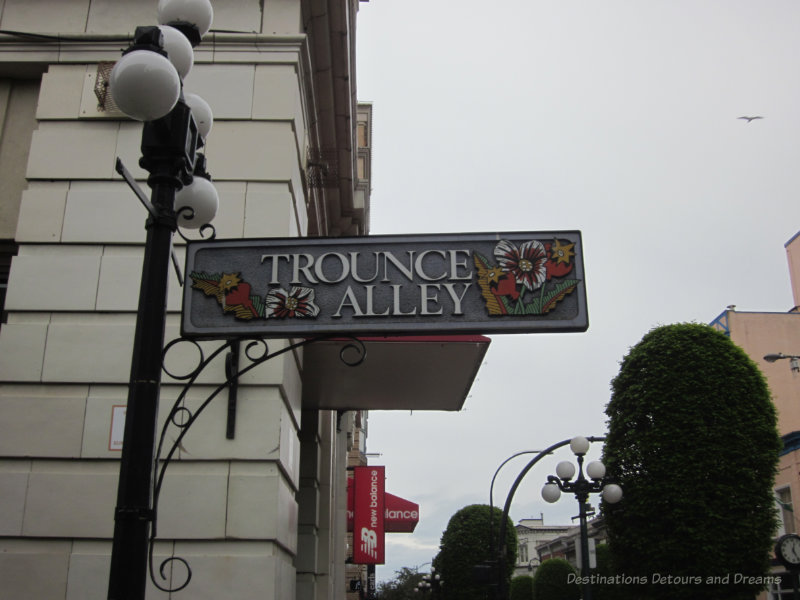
(146, 84)
(581, 487)
(534, 564)
(495, 569)
(491, 486)
(794, 360)
(430, 583)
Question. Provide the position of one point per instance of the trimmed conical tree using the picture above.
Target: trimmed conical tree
(468, 541)
(521, 588)
(555, 580)
(692, 440)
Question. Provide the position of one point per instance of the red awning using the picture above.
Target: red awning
(401, 515)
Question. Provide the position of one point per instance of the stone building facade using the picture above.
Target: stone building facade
(261, 515)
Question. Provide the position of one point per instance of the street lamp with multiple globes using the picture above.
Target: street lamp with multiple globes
(430, 582)
(146, 84)
(581, 487)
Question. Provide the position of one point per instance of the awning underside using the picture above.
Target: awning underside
(398, 373)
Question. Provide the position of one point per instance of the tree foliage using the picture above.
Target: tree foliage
(470, 540)
(693, 442)
(521, 588)
(552, 581)
(605, 588)
(402, 587)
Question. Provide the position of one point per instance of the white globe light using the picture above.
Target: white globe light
(551, 493)
(196, 12)
(144, 85)
(179, 51)
(200, 196)
(201, 112)
(612, 493)
(565, 470)
(596, 470)
(579, 445)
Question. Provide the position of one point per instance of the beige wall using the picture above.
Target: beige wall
(760, 334)
(765, 333)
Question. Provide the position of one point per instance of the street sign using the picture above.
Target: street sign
(522, 282)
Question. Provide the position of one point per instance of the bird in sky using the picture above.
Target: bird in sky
(749, 119)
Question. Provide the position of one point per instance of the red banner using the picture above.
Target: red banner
(368, 509)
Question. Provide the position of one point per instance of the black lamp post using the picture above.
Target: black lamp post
(491, 486)
(146, 84)
(581, 487)
(494, 570)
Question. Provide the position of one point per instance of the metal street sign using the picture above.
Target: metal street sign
(522, 282)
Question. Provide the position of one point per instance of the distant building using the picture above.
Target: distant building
(530, 534)
(760, 334)
(567, 544)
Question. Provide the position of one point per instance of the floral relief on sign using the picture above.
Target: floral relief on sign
(234, 295)
(528, 279)
(298, 302)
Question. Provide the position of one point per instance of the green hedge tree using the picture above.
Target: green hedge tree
(555, 580)
(692, 440)
(466, 542)
(607, 586)
(521, 588)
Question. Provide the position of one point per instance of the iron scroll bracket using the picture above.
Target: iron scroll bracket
(182, 418)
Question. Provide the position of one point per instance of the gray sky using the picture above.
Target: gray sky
(617, 118)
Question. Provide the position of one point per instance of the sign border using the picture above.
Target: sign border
(311, 328)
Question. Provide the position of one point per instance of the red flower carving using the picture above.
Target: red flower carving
(560, 263)
(526, 263)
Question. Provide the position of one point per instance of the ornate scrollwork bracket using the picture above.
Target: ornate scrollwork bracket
(182, 418)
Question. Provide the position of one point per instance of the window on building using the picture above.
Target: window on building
(363, 139)
(362, 167)
(522, 555)
(361, 423)
(784, 498)
(7, 250)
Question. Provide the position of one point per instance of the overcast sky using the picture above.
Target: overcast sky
(616, 118)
